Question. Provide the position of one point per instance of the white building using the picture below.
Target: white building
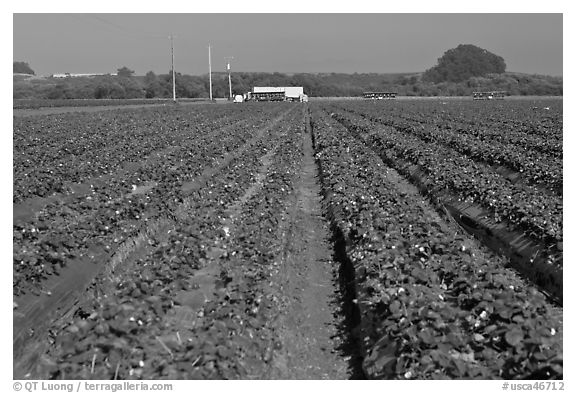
(69, 75)
(291, 93)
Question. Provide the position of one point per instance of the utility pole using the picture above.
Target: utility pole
(229, 77)
(210, 70)
(173, 71)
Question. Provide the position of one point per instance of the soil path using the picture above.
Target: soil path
(311, 323)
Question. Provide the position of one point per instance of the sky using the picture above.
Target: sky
(281, 42)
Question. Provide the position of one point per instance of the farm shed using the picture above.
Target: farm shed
(287, 93)
(268, 96)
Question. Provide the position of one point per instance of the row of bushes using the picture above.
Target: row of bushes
(316, 85)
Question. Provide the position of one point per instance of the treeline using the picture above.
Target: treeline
(315, 85)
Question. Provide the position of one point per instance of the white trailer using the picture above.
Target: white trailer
(284, 93)
(293, 93)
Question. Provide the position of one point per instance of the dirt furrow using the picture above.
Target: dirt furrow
(310, 324)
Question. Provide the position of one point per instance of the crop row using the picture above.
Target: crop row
(540, 118)
(493, 147)
(50, 152)
(536, 121)
(153, 325)
(431, 304)
(524, 207)
(111, 211)
(548, 144)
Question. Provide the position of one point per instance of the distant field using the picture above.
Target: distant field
(400, 98)
(60, 103)
(47, 103)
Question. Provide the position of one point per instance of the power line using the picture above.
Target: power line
(210, 70)
(146, 35)
(228, 58)
(173, 71)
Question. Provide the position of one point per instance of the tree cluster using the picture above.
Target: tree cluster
(21, 67)
(464, 62)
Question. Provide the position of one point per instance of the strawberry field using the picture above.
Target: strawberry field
(218, 241)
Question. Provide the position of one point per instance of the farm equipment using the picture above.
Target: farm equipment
(379, 95)
(488, 95)
(288, 93)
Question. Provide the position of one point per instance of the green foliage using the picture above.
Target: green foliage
(315, 85)
(464, 62)
(125, 72)
(21, 67)
(60, 91)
